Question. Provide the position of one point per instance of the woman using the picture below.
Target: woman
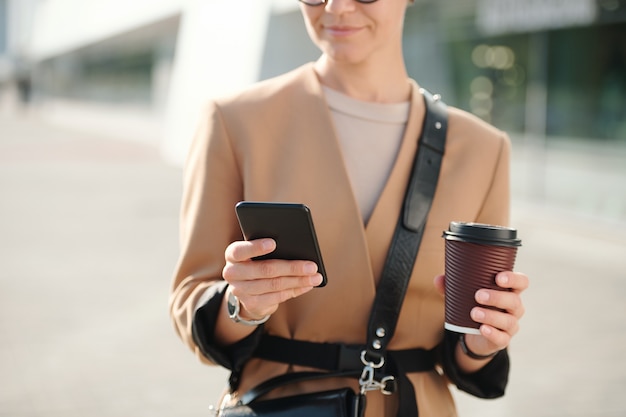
(340, 136)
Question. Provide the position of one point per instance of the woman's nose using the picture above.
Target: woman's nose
(339, 6)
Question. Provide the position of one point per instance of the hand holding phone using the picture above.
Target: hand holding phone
(289, 224)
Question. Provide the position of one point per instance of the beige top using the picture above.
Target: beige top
(370, 135)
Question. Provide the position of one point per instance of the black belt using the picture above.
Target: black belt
(337, 356)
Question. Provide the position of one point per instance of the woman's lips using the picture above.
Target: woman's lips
(341, 31)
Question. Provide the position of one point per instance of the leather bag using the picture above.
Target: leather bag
(342, 402)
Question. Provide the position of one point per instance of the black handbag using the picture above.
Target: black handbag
(342, 402)
(370, 370)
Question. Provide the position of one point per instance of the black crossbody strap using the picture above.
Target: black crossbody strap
(403, 251)
(409, 229)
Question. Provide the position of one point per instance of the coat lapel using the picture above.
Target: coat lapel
(353, 255)
(369, 242)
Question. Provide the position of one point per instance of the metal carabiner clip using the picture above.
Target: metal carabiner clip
(367, 381)
(365, 362)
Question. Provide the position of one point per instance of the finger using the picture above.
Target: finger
(516, 281)
(504, 300)
(241, 251)
(270, 268)
(497, 319)
(440, 284)
(481, 343)
(277, 285)
(266, 303)
(497, 338)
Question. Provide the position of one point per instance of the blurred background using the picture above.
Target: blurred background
(99, 100)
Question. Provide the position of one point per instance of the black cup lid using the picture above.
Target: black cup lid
(482, 233)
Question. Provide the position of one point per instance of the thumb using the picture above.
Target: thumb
(440, 283)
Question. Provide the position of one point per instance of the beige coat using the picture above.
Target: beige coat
(276, 142)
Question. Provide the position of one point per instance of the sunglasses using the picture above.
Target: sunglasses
(320, 2)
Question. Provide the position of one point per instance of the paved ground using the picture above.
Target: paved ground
(88, 240)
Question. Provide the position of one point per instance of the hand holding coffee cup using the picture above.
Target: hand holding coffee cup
(474, 255)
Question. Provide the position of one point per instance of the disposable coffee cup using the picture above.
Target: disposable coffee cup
(474, 254)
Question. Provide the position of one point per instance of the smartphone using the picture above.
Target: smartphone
(289, 224)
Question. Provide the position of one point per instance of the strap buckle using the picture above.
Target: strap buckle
(368, 381)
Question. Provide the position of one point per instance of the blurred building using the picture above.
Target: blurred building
(15, 31)
(550, 72)
(92, 64)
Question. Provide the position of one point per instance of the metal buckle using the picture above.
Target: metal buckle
(367, 380)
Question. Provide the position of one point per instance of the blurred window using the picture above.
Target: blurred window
(587, 82)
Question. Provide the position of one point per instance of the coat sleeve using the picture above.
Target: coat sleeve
(211, 188)
(232, 357)
(488, 382)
